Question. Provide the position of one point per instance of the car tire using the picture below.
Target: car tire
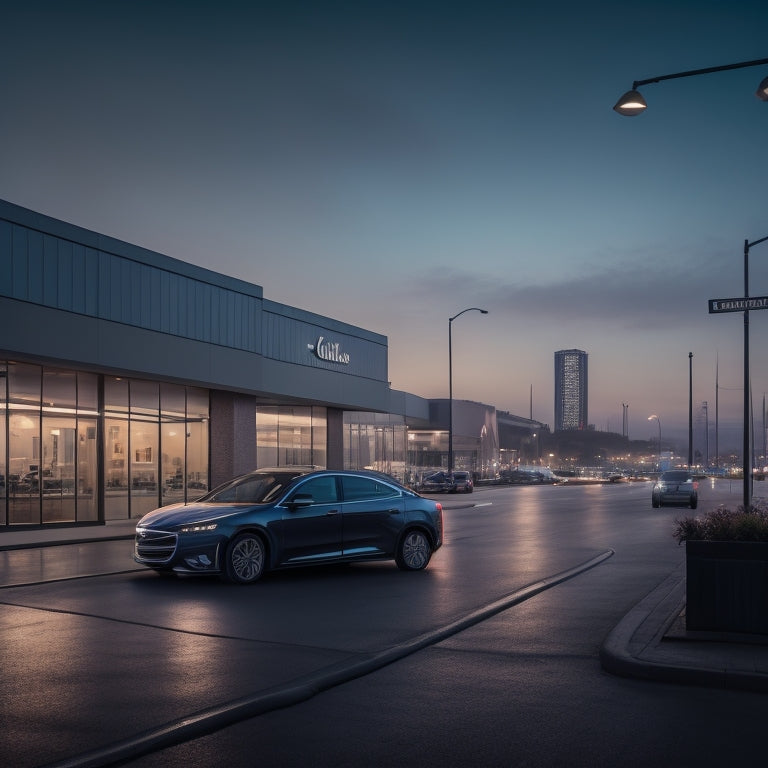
(246, 558)
(469, 490)
(413, 551)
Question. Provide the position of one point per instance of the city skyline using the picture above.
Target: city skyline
(391, 166)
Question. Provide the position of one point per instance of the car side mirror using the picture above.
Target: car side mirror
(300, 500)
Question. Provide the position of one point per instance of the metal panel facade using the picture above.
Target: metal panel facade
(120, 304)
(59, 273)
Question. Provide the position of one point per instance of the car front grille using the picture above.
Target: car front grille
(155, 547)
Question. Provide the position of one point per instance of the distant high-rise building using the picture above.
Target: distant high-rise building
(570, 389)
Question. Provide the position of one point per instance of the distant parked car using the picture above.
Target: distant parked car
(525, 477)
(274, 519)
(437, 482)
(462, 482)
(675, 486)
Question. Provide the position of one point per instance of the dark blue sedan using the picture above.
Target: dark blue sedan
(284, 518)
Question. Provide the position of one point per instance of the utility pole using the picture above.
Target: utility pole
(690, 410)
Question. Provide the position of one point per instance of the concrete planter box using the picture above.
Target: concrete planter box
(727, 586)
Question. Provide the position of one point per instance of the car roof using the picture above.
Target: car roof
(299, 471)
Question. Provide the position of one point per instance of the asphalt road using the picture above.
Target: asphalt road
(487, 674)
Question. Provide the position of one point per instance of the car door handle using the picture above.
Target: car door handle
(331, 512)
(394, 511)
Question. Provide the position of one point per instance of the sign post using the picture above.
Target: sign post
(744, 305)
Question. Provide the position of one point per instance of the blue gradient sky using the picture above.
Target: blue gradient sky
(389, 164)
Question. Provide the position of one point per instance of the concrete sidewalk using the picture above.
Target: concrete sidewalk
(47, 537)
(652, 643)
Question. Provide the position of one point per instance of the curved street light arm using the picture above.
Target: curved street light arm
(757, 242)
(706, 71)
(468, 309)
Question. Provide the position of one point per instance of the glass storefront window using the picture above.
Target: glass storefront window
(3, 442)
(319, 436)
(143, 466)
(115, 394)
(198, 411)
(266, 437)
(87, 470)
(291, 436)
(23, 467)
(144, 397)
(376, 441)
(88, 392)
(24, 384)
(56, 473)
(294, 437)
(59, 389)
(115, 468)
(173, 435)
(154, 445)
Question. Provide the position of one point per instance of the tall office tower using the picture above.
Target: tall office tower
(570, 389)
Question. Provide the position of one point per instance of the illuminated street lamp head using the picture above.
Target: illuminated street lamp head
(630, 104)
(762, 90)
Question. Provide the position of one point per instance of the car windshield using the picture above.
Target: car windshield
(256, 488)
(679, 477)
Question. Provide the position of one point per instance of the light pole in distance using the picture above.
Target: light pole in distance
(651, 418)
(450, 381)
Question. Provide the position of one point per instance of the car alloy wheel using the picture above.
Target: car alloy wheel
(246, 557)
(414, 551)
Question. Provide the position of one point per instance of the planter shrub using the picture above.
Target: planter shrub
(726, 570)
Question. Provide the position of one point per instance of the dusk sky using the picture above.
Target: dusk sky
(390, 164)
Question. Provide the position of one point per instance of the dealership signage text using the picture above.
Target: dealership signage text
(329, 351)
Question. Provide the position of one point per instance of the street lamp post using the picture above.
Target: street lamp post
(746, 444)
(632, 103)
(450, 381)
(690, 410)
(651, 418)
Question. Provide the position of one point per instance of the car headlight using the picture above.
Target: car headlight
(198, 527)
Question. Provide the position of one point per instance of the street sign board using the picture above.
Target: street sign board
(737, 305)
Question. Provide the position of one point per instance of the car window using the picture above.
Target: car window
(357, 488)
(323, 490)
(258, 488)
(675, 476)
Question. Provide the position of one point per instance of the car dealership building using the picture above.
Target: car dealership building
(129, 379)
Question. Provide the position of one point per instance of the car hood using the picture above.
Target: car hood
(182, 514)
